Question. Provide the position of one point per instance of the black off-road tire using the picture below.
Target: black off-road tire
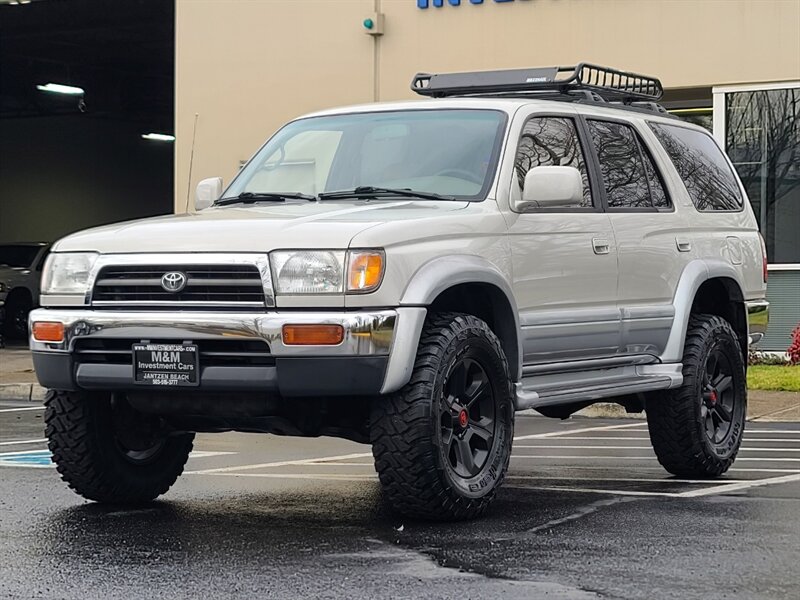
(412, 447)
(81, 430)
(680, 421)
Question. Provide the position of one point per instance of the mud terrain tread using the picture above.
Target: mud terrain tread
(672, 419)
(72, 424)
(402, 430)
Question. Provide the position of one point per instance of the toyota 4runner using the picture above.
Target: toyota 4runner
(409, 275)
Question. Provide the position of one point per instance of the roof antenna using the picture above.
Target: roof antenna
(191, 162)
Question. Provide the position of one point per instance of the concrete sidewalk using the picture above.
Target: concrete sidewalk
(18, 382)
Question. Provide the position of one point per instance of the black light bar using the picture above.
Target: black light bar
(609, 84)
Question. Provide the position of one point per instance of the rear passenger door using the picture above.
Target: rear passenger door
(564, 259)
(653, 242)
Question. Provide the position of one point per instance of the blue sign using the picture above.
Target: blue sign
(440, 3)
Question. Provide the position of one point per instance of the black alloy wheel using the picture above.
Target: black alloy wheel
(467, 417)
(719, 397)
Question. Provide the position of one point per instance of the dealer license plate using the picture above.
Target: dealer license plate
(172, 365)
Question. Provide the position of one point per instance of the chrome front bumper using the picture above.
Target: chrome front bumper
(757, 319)
(365, 333)
(390, 335)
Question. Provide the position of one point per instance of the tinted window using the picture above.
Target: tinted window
(551, 142)
(622, 164)
(657, 192)
(702, 166)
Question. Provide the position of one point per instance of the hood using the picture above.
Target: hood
(253, 228)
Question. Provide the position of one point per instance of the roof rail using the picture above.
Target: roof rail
(609, 84)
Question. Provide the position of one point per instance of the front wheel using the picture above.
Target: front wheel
(696, 429)
(443, 442)
(109, 452)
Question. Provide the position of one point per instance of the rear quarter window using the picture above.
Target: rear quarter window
(702, 166)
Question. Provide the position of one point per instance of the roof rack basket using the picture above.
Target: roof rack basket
(609, 84)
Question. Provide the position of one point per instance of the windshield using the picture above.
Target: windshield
(18, 255)
(447, 152)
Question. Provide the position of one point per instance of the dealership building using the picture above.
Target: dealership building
(733, 66)
(222, 75)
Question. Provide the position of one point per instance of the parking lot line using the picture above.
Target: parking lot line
(15, 442)
(566, 432)
(785, 431)
(595, 491)
(664, 479)
(618, 457)
(23, 408)
(722, 488)
(742, 485)
(280, 463)
(559, 447)
(747, 438)
(322, 476)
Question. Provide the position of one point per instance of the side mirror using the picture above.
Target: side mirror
(207, 192)
(551, 187)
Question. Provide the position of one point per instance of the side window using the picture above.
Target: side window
(702, 166)
(551, 141)
(629, 176)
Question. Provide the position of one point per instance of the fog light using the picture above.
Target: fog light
(48, 331)
(312, 335)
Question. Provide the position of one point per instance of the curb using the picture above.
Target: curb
(32, 392)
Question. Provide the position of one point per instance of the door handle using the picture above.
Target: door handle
(600, 246)
(683, 244)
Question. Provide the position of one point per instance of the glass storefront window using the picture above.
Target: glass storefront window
(762, 138)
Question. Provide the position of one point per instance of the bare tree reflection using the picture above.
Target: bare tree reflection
(702, 167)
(621, 165)
(763, 141)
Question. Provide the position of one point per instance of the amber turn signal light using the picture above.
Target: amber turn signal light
(312, 335)
(365, 271)
(48, 331)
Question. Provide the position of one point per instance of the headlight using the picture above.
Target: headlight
(327, 271)
(2, 287)
(308, 271)
(67, 272)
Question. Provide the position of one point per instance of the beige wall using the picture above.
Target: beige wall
(246, 66)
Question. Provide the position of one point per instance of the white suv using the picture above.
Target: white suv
(409, 275)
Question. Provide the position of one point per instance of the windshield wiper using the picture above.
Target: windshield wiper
(252, 197)
(368, 191)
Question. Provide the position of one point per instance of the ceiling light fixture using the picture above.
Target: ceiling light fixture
(58, 88)
(158, 137)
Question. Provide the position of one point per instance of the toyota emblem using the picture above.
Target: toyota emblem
(174, 281)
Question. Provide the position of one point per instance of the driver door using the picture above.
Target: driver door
(564, 260)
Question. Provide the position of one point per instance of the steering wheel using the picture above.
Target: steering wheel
(460, 174)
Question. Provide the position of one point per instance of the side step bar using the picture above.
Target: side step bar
(549, 390)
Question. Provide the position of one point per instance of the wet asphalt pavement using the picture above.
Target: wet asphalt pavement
(585, 513)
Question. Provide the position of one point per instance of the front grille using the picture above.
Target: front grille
(222, 285)
(213, 353)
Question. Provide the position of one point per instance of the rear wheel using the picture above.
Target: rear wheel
(696, 429)
(442, 443)
(109, 452)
